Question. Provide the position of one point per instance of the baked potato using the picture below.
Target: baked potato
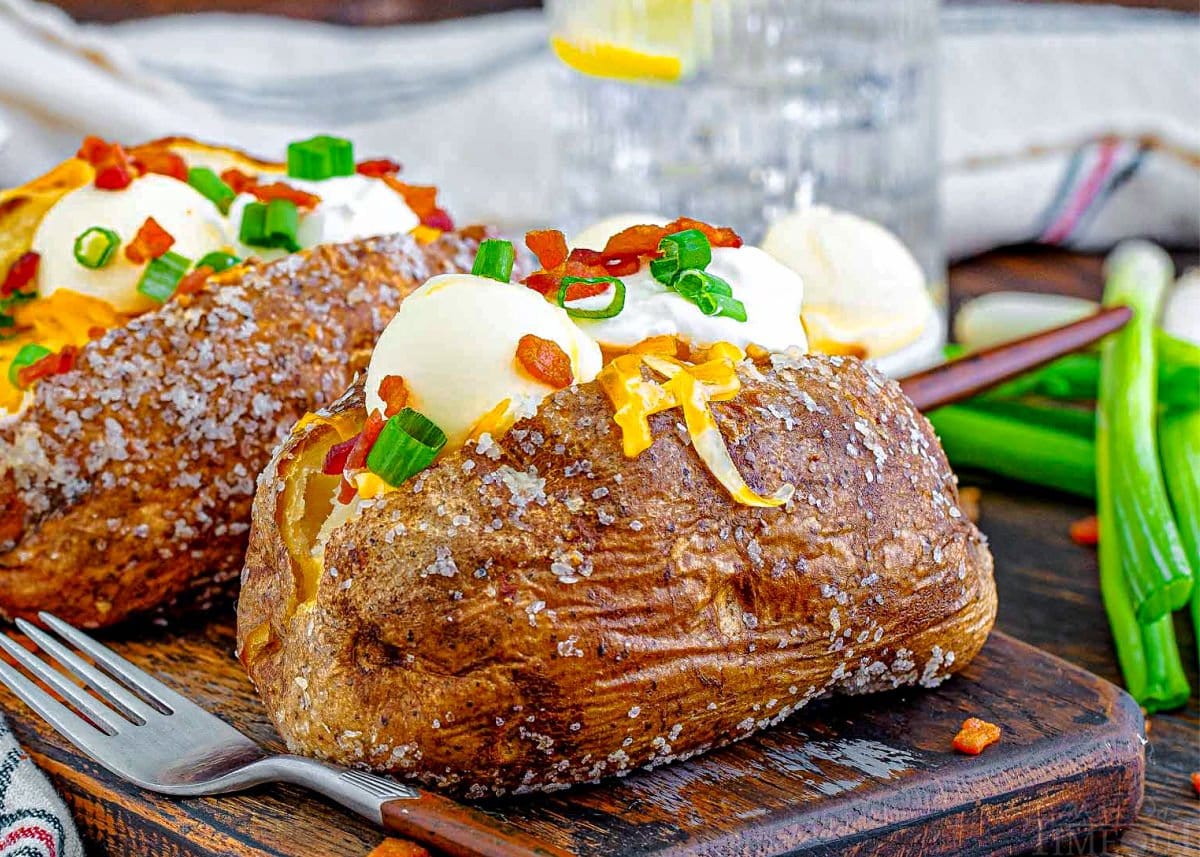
(542, 609)
(127, 467)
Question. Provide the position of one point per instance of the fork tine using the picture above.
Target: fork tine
(119, 697)
(74, 728)
(91, 707)
(134, 676)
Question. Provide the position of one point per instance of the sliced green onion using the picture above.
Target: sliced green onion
(320, 158)
(281, 222)
(407, 445)
(614, 307)
(271, 224)
(721, 306)
(27, 356)
(681, 251)
(211, 186)
(253, 230)
(494, 260)
(162, 275)
(693, 282)
(218, 261)
(7, 321)
(94, 246)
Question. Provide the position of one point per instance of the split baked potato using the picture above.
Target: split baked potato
(542, 609)
(127, 469)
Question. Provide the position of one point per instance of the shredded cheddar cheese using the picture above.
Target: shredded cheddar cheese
(689, 387)
(495, 422)
(61, 319)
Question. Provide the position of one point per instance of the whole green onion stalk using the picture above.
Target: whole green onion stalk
(1140, 526)
(1010, 446)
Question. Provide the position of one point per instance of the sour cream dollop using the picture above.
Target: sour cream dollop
(771, 293)
(352, 208)
(454, 342)
(863, 286)
(191, 219)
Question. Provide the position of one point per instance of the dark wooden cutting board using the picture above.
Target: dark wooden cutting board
(871, 775)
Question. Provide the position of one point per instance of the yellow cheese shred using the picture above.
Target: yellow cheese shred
(689, 387)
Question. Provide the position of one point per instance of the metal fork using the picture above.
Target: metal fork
(157, 739)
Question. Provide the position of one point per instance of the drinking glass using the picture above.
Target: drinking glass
(739, 111)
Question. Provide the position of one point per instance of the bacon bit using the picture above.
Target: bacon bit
(96, 332)
(549, 245)
(238, 181)
(579, 291)
(1196, 782)
(194, 281)
(113, 170)
(51, 364)
(377, 168)
(1086, 531)
(159, 160)
(439, 218)
(622, 254)
(335, 459)
(20, 274)
(356, 459)
(150, 242)
(422, 199)
(398, 848)
(975, 735)
(394, 393)
(545, 361)
(279, 190)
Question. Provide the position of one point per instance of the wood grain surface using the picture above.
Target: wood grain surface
(846, 776)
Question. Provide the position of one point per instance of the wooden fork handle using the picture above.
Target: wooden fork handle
(459, 830)
(963, 378)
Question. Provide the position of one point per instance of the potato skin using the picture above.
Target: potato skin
(128, 482)
(543, 611)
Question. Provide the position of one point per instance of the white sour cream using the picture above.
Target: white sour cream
(771, 293)
(191, 219)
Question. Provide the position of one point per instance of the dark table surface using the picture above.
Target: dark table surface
(1049, 595)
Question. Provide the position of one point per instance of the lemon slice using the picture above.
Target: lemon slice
(644, 41)
(603, 59)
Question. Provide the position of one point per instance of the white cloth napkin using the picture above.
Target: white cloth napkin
(33, 820)
(1068, 125)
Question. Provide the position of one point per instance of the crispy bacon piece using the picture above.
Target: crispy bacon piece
(1086, 531)
(194, 281)
(422, 199)
(159, 160)
(549, 245)
(394, 393)
(51, 364)
(356, 459)
(113, 170)
(545, 361)
(335, 459)
(377, 168)
(439, 218)
(20, 273)
(975, 736)
(150, 242)
(238, 181)
(279, 190)
(622, 254)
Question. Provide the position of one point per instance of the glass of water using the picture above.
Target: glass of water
(739, 111)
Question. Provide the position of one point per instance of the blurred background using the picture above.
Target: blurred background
(958, 127)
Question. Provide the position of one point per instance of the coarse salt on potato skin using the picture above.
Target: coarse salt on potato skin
(542, 611)
(128, 482)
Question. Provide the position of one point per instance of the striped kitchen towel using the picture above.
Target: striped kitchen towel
(33, 820)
